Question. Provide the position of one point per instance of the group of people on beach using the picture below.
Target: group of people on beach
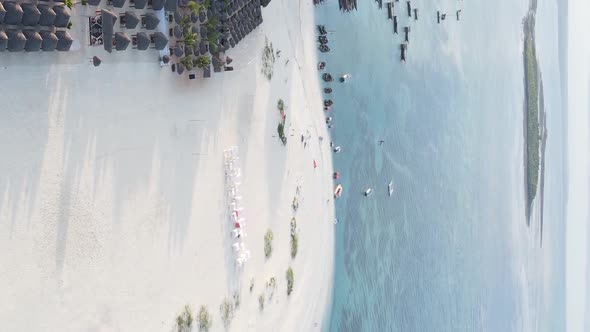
(232, 178)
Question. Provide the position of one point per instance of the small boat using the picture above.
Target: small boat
(345, 78)
(338, 191)
(337, 149)
(327, 90)
(329, 119)
(390, 10)
(324, 48)
(321, 65)
(323, 39)
(458, 12)
(404, 51)
(409, 9)
(327, 77)
(336, 175)
(368, 192)
(394, 24)
(328, 102)
(407, 34)
(322, 30)
(416, 14)
(390, 188)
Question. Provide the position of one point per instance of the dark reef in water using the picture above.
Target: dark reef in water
(535, 128)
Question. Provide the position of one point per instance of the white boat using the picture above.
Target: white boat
(368, 192)
(337, 149)
(338, 191)
(345, 78)
(390, 188)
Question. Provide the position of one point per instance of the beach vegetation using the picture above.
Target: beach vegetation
(191, 39)
(281, 105)
(290, 278)
(268, 243)
(69, 26)
(184, 321)
(204, 318)
(84, 2)
(187, 61)
(294, 238)
(202, 61)
(294, 245)
(185, 22)
(261, 302)
(227, 312)
(281, 132)
(195, 7)
(268, 60)
(69, 4)
(295, 204)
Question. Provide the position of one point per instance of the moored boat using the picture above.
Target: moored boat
(338, 191)
(390, 188)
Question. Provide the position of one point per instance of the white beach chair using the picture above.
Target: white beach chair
(237, 247)
(236, 233)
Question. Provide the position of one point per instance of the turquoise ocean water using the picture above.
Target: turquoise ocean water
(450, 251)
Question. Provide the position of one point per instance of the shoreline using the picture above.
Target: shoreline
(114, 197)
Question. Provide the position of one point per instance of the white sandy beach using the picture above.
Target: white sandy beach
(112, 199)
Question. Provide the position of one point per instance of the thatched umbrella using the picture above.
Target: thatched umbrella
(63, 16)
(171, 5)
(49, 43)
(3, 41)
(143, 41)
(179, 68)
(16, 41)
(158, 4)
(2, 12)
(31, 14)
(177, 17)
(47, 15)
(131, 20)
(96, 61)
(94, 2)
(34, 41)
(177, 32)
(122, 41)
(166, 59)
(64, 41)
(140, 4)
(178, 51)
(188, 51)
(14, 13)
(118, 3)
(160, 40)
(194, 18)
(202, 17)
(151, 21)
(203, 47)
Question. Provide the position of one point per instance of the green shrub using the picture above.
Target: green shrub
(268, 243)
(261, 302)
(294, 245)
(204, 319)
(69, 26)
(281, 131)
(69, 4)
(281, 105)
(184, 321)
(289, 281)
(84, 2)
(227, 312)
(203, 61)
